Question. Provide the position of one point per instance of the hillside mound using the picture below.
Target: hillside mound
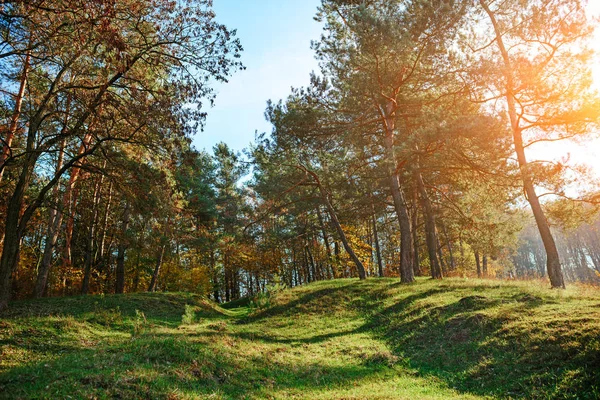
(328, 340)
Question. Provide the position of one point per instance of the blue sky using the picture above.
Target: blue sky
(276, 36)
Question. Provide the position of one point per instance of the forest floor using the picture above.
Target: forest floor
(340, 339)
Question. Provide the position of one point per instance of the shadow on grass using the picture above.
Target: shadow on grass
(478, 345)
(157, 367)
(159, 308)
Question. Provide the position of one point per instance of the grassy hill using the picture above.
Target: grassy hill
(341, 339)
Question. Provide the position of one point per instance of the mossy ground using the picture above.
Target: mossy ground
(340, 339)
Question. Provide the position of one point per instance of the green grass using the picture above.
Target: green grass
(341, 339)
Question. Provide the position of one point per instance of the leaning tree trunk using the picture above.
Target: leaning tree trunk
(159, 261)
(552, 258)
(336, 224)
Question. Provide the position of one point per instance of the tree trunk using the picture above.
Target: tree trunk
(415, 234)
(54, 223)
(89, 253)
(478, 262)
(14, 120)
(325, 241)
(430, 230)
(15, 223)
(485, 266)
(338, 227)
(101, 259)
(377, 248)
(159, 261)
(452, 262)
(70, 201)
(552, 257)
(406, 268)
(124, 243)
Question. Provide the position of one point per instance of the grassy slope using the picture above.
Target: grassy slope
(331, 340)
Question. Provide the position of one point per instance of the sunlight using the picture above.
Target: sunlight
(593, 9)
(570, 152)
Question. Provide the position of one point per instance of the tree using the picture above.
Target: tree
(535, 55)
(380, 57)
(137, 63)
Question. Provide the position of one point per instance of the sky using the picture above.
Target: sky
(276, 37)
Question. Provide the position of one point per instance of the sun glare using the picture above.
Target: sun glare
(593, 9)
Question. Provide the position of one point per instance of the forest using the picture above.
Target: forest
(405, 156)
(415, 152)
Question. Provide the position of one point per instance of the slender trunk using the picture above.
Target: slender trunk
(123, 244)
(377, 248)
(159, 260)
(440, 254)
(54, 223)
(15, 223)
(325, 240)
(406, 268)
(215, 277)
(553, 265)
(485, 266)
(415, 234)
(89, 254)
(14, 120)
(452, 262)
(478, 262)
(336, 254)
(313, 266)
(101, 259)
(70, 200)
(227, 274)
(136, 278)
(430, 230)
(338, 227)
